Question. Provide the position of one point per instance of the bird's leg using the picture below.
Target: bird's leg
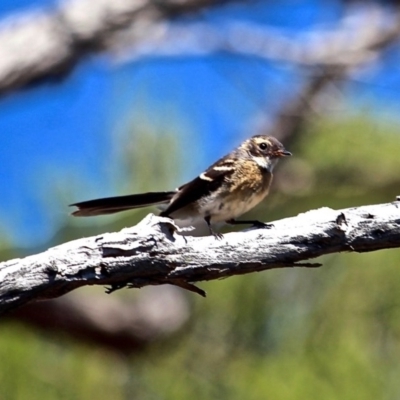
(217, 235)
(255, 223)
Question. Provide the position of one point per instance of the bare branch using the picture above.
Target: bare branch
(44, 44)
(353, 42)
(151, 253)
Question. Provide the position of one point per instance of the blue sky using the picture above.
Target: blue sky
(55, 137)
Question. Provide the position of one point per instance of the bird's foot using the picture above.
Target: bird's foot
(259, 224)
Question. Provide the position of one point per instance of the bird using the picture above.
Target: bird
(227, 189)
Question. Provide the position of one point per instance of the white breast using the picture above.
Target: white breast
(231, 207)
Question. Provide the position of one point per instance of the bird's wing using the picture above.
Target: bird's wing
(206, 183)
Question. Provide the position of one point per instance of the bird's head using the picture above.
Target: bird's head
(265, 150)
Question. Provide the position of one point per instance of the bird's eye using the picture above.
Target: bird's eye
(263, 146)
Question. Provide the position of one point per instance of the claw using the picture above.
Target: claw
(259, 224)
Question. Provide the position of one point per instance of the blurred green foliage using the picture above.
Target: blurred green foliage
(327, 333)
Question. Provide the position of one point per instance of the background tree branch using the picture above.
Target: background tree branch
(47, 44)
(109, 321)
(151, 253)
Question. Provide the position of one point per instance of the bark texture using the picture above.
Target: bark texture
(153, 253)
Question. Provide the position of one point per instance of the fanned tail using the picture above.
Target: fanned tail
(110, 205)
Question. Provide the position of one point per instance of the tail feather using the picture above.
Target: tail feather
(110, 205)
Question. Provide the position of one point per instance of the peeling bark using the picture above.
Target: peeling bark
(153, 253)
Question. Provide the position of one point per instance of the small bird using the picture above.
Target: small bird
(227, 189)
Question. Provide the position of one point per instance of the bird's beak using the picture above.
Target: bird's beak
(283, 153)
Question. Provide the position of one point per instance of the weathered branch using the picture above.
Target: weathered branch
(152, 253)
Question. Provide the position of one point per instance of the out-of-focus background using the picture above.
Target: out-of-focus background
(105, 97)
